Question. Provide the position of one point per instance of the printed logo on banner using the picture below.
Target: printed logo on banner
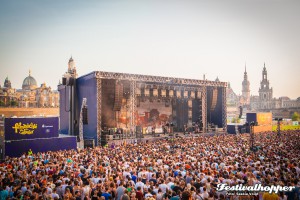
(30, 128)
(25, 129)
(47, 128)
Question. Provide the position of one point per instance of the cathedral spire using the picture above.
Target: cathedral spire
(245, 89)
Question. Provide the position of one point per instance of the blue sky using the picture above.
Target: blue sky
(168, 38)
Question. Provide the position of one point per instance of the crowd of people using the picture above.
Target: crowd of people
(175, 168)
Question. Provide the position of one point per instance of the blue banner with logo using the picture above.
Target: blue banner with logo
(17, 148)
(30, 128)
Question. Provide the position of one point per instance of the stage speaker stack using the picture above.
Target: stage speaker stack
(105, 137)
(241, 112)
(89, 143)
(118, 96)
(214, 99)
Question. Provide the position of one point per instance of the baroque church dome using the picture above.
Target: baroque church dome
(29, 83)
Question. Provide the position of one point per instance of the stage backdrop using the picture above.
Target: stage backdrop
(30, 128)
(154, 114)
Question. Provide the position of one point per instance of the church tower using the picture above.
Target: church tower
(7, 83)
(265, 92)
(72, 68)
(246, 89)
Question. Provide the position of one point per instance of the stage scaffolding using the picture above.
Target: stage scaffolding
(136, 79)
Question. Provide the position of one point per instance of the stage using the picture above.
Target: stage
(139, 104)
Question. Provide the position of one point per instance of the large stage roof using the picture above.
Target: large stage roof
(159, 79)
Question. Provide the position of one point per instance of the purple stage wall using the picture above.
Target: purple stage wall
(17, 148)
(30, 128)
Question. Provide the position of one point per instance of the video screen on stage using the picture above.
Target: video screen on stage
(155, 113)
(149, 114)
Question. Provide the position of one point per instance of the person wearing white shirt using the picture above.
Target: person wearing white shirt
(205, 194)
(170, 183)
(54, 194)
(125, 174)
(183, 173)
(63, 186)
(140, 184)
(163, 187)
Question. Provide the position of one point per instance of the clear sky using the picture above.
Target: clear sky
(159, 37)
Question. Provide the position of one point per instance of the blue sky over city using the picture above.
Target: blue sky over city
(167, 38)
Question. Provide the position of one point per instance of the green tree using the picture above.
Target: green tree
(235, 120)
(13, 103)
(295, 116)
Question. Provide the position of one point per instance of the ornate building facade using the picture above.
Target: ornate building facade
(7, 94)
(29, 96)
(265, 100)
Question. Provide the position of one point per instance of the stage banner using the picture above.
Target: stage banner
(18, 147)
(30, 128)
(260, 118)
(295, 123)
(264, 118)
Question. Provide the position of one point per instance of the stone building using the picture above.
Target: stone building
(30, 95)
(7, 94)
(265, 100)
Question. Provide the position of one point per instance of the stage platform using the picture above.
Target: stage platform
(139, 103)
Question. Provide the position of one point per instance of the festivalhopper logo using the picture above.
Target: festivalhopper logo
(241, 189)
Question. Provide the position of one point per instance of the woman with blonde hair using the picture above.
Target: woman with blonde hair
(68, 195)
